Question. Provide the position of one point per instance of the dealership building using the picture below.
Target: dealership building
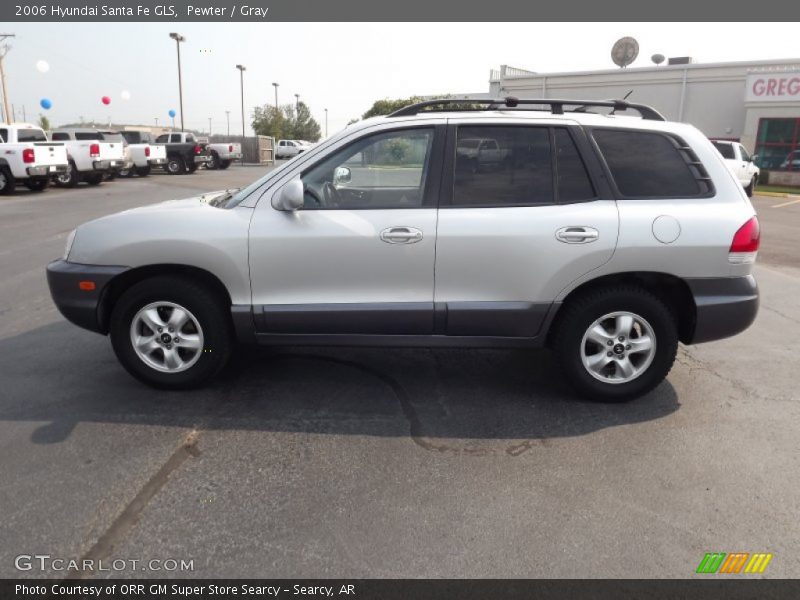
(755, 102)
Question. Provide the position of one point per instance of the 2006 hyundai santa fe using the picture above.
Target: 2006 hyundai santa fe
(510, 223)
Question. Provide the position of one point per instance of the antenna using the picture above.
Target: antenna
(624, 51)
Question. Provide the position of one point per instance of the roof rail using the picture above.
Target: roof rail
(556, 106)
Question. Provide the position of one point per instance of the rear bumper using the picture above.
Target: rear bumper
(201, 159)
(78, 306)
(233, 156)
(46, 170)
(725, 306)
(155, 162)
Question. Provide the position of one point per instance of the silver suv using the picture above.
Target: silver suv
(606, 236)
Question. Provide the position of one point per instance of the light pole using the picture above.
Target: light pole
(275, 85)
(228, 119)
(209, 126)
(296, 102)
(242, 69)
(178, 39)
(326, 122)
(4, 48)
(156, 118)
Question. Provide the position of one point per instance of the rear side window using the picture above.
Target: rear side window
(725, 149)
(574, 184)
(503, 166)
(162, 138)
(651, 165)
(31, 135)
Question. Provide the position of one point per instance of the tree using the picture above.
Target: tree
(386, 106)
(44, 123)
(287, 122)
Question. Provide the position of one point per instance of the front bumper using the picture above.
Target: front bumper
(81, 307)
(46, 170)
(725, 306)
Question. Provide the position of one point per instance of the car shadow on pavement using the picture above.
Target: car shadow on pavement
(63, 376)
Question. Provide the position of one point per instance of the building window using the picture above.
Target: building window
(778, 144)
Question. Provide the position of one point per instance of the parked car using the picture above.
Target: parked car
(184, 152)
(127, 158)
(222, 154)
(740, 163)
(288, 149)
(145, 153)
(27, 157)
(607, 238)
(90, 157)
(792, 160)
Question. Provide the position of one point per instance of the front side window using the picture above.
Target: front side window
(647, 164)
(745, 155)
(380, 171)
(502, 166)
(175, 138)
(4, 135)
(162, 139)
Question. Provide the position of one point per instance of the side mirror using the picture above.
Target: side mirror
(341, 176)
(291, 196)
(754, 158)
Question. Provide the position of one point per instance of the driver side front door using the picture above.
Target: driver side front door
(358, 257)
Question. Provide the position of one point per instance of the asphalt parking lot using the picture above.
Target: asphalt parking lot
(310, 462)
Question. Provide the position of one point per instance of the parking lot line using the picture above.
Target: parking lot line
(795, 201)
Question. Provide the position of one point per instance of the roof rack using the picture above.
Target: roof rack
(556, 106)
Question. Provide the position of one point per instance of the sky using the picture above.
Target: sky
(343, 67)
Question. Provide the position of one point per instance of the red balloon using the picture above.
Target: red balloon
(106, 100)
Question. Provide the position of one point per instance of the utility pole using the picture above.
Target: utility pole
(296, 102)
(275, 85)
(242, 69)
(156, 118)
(228, 119)
(209, 127)
(24, 116)
(178, 39)
(4, 48)
(326, 122)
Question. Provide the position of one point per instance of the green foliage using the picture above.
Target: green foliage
(386, 106)
(44, 123)
(287, 122)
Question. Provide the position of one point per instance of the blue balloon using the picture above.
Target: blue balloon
(45, 103)
(172, 113)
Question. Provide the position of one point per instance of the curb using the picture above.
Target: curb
(776, 194)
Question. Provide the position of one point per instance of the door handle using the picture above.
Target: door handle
(577, 235)
(401, 235)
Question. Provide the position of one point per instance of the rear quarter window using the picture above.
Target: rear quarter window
(646, 164)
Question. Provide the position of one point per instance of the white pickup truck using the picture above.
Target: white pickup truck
(90, 157)
(222, 154)
(27, 157)
(740, 163)
(288, 148)
(145, 153)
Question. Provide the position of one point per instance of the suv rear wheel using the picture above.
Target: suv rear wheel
(616, 343)
(170, 332)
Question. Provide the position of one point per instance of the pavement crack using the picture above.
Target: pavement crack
(127, 519)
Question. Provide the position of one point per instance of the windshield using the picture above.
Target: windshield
(235, 199)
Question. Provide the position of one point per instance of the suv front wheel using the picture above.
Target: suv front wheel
(616, 343)
(170, 332)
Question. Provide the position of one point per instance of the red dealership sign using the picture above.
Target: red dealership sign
(773, 87)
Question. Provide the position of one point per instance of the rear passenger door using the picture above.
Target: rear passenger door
(516, 228)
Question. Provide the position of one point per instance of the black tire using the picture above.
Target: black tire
(7, 182)
(94, 178)
(750, 189)
(175, 165)
(126, 173)
(143, 171)
(109, 176)
(214, 163)
(192, 168)
(578, 316)
(69, 179)
(211, 313)
(224, 164)
(37, 185)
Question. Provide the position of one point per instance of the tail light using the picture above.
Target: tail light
(744, 246)
(197, 149)
(94, 150)
(27, 155)
(147, 151)
(230, 148)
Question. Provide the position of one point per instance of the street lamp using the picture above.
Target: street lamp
(275, 85)
(178, 39)
(242, 69)
(209, 126)
(228, 119)
(297, 102)
(326, 122)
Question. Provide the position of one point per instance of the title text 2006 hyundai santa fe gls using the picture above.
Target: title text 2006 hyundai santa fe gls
(515, 223)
